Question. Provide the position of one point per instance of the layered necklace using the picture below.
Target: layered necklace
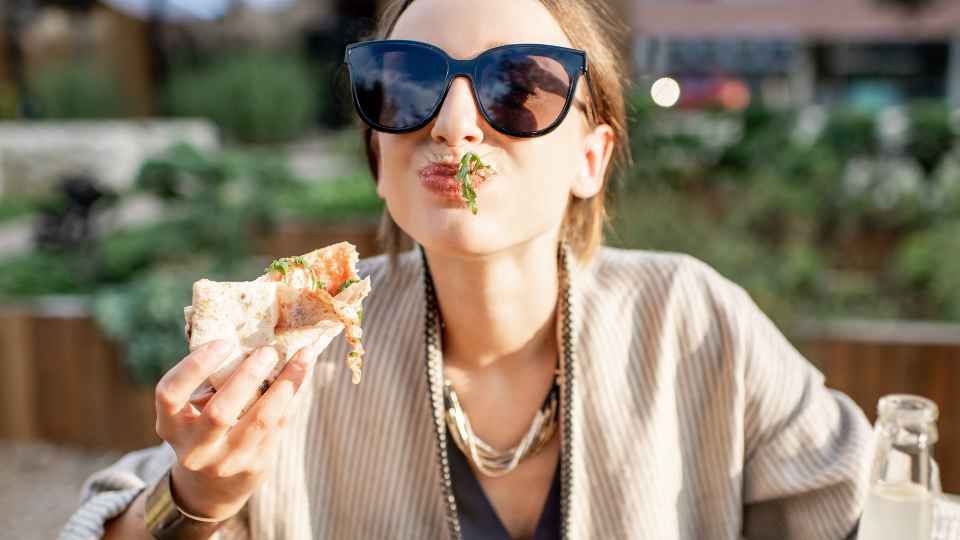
(488, 460)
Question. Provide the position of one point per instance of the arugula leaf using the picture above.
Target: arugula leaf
(468, 165)
(346, 284)
(281, 266)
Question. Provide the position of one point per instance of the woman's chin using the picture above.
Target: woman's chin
(456, 230)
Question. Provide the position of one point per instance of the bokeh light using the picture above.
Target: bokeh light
(665, 92)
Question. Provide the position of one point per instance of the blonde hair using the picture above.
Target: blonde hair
(589, 26)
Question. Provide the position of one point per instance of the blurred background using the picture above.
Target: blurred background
(806, 149)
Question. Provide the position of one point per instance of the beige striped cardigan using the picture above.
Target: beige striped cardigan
(690, 417)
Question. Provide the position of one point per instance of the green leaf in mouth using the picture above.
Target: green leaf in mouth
(470, 164)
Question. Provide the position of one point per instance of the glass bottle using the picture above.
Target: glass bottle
(904, 481)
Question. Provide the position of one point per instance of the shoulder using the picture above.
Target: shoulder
(675, 292)
(639, 274)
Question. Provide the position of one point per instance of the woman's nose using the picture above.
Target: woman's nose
(458, 122)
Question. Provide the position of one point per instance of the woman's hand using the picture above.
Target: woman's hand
(222, 456)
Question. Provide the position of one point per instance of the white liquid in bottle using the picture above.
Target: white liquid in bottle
(901, 511)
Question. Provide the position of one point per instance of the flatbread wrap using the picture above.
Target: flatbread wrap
(297, 302)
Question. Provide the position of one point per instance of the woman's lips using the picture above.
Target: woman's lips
(440, 178)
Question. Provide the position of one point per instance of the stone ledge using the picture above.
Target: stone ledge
(34, 156)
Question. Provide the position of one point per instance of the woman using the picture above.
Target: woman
(665, 404)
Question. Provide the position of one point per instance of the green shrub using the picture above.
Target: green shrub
(253, 97)
(15, 208)
(929, 268)
(338, 199)
(145, 316)
(850, 133)
(8, 101)
(44, 272)
(931, 135)
(78, 90)
(779, 214)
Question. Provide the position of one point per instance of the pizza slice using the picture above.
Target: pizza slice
(298, 301)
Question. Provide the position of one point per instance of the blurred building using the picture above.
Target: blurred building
(867, 53)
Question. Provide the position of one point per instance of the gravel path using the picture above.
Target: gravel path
(40, 486)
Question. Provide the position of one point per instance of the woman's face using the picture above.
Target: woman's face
(526, 198)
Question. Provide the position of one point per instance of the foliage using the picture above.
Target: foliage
(352, 197)
(216, 203)
(12, 208)
(253, 97)
(822, 221)
(928, 263)
(851, 132)
(146, 316)
(931, 135)
(78, 90)
(8, 101)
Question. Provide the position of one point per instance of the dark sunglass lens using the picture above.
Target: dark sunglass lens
(523, 92)
(396, 86)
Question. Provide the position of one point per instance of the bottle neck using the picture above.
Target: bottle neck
(902, 456)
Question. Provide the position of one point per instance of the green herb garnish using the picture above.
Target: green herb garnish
(346, 284)
(360, 315)
(469, 164)
(300, 261)
(281, 266)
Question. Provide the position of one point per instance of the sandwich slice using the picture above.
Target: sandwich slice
(298, 301)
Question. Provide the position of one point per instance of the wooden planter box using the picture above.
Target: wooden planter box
(61, 381)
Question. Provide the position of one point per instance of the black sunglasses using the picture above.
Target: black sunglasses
(524, 90)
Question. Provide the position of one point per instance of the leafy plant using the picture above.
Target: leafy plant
(14, 208)
(931, 135)
(850, 132)
(351, 197)
(826, 225)
(45, 272)
(8, 101)
(145, 315)
(78, 90)
(929, 266)
(253, 97)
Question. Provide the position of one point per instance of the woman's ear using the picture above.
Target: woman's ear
(597, 149)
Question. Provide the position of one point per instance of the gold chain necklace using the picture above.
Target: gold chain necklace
(488, 460)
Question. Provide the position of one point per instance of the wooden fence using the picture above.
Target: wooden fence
(61, 380)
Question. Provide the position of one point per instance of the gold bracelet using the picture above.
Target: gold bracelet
(167, 521)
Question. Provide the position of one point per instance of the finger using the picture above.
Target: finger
(268, 414)
(225, 406)
(175, 388)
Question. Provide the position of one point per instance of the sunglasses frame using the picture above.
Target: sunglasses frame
(468, 68)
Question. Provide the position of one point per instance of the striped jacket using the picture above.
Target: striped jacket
(687, 413)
